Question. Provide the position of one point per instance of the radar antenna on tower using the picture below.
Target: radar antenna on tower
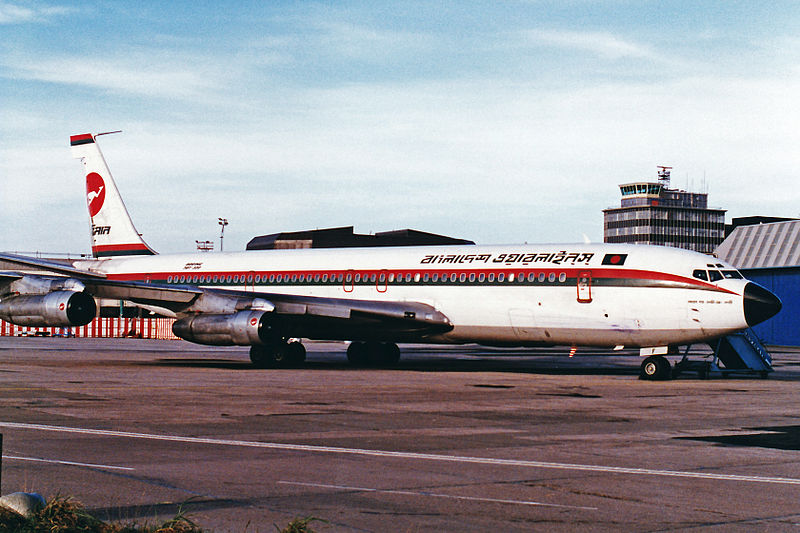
(663, 175)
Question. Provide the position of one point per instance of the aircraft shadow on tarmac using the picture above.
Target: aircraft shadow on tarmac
(498, 362)
(774, 437)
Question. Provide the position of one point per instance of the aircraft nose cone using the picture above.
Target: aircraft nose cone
(759, 304)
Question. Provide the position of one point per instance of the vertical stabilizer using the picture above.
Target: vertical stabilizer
(113, 232)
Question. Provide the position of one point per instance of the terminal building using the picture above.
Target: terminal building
(654, 213)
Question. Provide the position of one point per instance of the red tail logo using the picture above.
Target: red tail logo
(95, 192)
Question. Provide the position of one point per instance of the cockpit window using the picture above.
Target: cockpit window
(700, 274)
(731, 274)
(714, 275)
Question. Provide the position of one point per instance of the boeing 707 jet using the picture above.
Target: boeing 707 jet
(600, 295)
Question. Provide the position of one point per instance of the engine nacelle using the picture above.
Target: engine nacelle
(244, 328)
(58, 309)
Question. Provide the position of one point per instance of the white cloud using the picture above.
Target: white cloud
(141, 72)
(601, 44)
(16, 14)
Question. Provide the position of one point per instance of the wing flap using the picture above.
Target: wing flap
(174, 299)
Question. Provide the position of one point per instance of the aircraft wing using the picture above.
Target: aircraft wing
(50, 266)
(295, 315)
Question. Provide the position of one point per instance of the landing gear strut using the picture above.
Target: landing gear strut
(656, 368)
(373, 354)
(278, 354)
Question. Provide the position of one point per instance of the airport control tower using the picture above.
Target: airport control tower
(654, 213)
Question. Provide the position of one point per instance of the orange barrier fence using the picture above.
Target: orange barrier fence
(140, 328)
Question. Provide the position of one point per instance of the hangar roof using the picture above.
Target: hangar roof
(772, 245)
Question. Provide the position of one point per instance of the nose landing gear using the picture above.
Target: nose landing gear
(656, 368)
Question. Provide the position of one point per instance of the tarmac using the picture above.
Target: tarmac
(458, 438)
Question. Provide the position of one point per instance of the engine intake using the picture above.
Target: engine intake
(244, 328)
(58, 309)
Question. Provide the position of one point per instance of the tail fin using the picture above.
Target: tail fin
(113, 233)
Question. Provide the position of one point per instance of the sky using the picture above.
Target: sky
(500, 122)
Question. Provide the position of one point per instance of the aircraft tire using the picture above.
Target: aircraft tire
(281, 355)
(390, 354)
(357, 354)
(261, 356)
(655, 368)
(296, 353)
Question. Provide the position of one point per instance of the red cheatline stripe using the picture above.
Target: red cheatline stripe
(76, 140)
(597, 274)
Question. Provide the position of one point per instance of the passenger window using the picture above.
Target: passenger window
(462, 278)
(700, 274)
(453, 277)
(562, 277)
(491, 277)
(324, 278)
(501, 277)
(279, 278)
(271, 278)
(511, 277)
(373, 277)
(551, 277)
(481, 277)
(416, 277)
(472, 277)
(408, 277)
(714, 275)
(541, 277)
(531, 277)
(426, 277)
(435, 277)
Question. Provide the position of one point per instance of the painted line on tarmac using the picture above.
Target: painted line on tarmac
(69, 463)
(408, 455)
(435, 495)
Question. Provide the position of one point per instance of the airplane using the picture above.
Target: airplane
(654, 298)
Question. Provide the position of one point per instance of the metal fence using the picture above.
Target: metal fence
(140, 328)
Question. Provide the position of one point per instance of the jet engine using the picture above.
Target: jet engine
(59, 309)
(244, 328)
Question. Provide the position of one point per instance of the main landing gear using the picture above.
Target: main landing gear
(656, 368)
(373, 354)
(279, 354)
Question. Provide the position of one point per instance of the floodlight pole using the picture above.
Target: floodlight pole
(222, 222)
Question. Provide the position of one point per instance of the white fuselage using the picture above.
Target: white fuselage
(494, 295)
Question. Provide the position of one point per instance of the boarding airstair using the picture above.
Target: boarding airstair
(739, 353)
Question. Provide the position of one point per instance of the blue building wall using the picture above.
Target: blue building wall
(784, 328)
